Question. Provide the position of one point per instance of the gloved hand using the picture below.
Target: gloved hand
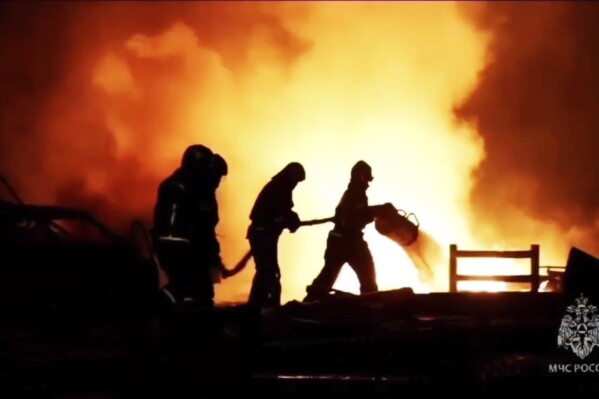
(226, 273)
(389, 207)
(294, 222)
(381, 210)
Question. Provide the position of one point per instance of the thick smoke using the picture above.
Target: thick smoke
(536, 107)
(34, 47)
(100, 99)
(60, 139)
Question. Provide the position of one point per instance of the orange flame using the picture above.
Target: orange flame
(371, 81)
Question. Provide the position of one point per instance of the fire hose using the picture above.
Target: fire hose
(226, 273)
(393, 223)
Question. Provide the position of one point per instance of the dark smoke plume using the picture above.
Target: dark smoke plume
(53, 132)
(537, 108)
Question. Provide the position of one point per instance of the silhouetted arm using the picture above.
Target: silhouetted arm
(168, 211)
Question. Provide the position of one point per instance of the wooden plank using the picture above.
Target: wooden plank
(534, 268)
(534, 278)
(494, 254)
(453, 268)
(507, 279)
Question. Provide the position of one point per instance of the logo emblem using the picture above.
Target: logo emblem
(579, 330)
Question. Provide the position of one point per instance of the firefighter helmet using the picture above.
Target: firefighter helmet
(295, 171)
(219, 165)
(361, 170)
(196, 156)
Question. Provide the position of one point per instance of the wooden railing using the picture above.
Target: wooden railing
(533, 278)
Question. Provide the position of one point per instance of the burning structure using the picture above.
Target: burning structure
(472, 119)
(123, 88)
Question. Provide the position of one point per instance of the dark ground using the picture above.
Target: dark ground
(380, 345)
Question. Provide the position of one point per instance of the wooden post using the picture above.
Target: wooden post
(453, 268)
(534, 265)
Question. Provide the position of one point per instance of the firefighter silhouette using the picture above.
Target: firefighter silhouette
(345, 243)
(271, 214)
(218, 169)
(185, 219)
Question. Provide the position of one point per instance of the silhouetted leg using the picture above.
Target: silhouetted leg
(186, 280)
(175, 259)
(205, 256)
(363, 264)
(334, 259)
(201, 283)
(266, 286)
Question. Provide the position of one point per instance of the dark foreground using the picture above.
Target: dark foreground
(380, 345)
